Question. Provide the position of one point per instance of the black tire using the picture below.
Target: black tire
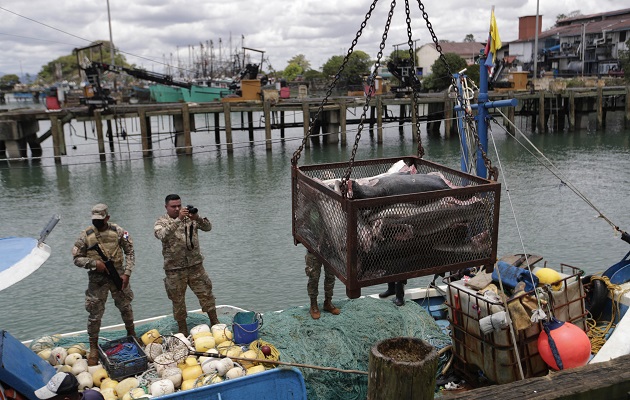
(596, 295)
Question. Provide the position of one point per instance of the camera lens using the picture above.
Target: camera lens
(192, 209)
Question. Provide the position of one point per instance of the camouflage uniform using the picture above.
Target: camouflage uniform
(118, 246)
(313, 271)
(183, 263)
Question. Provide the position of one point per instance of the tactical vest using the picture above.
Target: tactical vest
(108, 240)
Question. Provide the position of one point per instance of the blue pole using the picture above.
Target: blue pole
(482, 115)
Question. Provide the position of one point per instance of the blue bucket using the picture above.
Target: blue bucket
(245, 326)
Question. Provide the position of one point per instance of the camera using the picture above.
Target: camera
(192, 209)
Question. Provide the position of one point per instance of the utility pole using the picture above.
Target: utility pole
(111, 41)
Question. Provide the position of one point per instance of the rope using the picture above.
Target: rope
(597, 334)
(545, 162)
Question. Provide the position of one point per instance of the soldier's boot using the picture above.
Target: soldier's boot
(314, 308)
(182, 327)
(93, 356)
(330, 307)
(390, 290)
(212, 315)
(131, 330)
(400, 294)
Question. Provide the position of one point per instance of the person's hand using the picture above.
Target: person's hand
(100, 266)
(194, 217)
(125, 281)
(183, 213)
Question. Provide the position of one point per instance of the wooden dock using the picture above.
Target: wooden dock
(19, 129)
(608, 380)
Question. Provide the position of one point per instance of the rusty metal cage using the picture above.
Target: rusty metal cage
(375, 240)
(493, 353)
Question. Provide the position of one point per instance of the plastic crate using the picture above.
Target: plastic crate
(376, 240)
(123, 369)
(492, 355)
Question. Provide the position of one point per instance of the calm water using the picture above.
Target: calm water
(250, 254)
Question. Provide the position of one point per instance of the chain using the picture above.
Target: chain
(416, 85)
(492, 172)
(298, 152)
(368, 97)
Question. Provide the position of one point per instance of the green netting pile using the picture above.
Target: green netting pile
(341, 341)
(344, 341)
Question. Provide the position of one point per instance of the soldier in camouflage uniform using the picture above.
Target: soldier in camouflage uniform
(117, 245)
(313, 271)
(183, 261)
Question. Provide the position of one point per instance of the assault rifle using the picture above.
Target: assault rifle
(111, 270)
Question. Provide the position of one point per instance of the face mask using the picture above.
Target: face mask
(98, 223)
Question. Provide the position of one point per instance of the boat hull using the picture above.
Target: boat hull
(166, 94)
(201, 94)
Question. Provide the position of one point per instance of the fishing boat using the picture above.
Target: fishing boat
(470, 329)
(165, 93)
(205, 90)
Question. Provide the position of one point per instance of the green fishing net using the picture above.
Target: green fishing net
(341, 341)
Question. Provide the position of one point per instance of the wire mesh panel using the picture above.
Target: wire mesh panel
(395, 223)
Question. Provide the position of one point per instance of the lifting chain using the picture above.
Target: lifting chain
(492, 171)
(298, 152)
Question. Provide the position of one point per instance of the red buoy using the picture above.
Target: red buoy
(572, 344)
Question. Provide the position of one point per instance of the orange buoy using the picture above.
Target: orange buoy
(571, 345)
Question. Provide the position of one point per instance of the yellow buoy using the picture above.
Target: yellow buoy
(548, 276)
(151, 336)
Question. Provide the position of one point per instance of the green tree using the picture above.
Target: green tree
(359, 64)
(291, 71)
(7, 82)
(66, 68)
(400, 54)
(300, 60)
(440, 78)
(312, 74)
(470, 38)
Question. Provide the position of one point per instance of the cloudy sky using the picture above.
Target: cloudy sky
(151, 32)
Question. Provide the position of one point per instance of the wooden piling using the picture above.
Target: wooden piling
(626, 119)
(379, 119)
(414, 119)
(54, 128)
(217, 128)
(599, 106)
(267, 116)
(572, 111)
(250, 125)
(542, 128)
(343, 109)
(306, 116)
(227, 109)
(110, 135)
(186, 129)
(448, 115)
(402, 368)
(402, 113)
(99, 135)
(145, 133)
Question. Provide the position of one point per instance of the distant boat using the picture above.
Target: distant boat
(166, 94)
(207, 90)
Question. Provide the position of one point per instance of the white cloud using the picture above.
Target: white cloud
(319, 29)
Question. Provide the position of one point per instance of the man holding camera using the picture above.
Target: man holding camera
(183, 261)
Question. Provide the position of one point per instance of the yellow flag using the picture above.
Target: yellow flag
(495, 39)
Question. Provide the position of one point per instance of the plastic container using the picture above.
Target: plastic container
(128, 367)
(245, 326)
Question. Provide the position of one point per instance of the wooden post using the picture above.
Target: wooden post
(306, 116)
(541, 112)
(110, 135)
(572, 110)
(372, 119)
(186, 129)
(342, 122)
(511, 111)
(402, 368)
(600, 108)
(217, 128)
(282, 124)
(267, 115)
(250, 125)
(448, 116)
(145, 133)
(401, 118)
(227, 109)
(54, 127)
(379, 119)
(99, 135)
(626, 119)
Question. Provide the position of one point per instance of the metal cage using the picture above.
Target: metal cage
(375, 240)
